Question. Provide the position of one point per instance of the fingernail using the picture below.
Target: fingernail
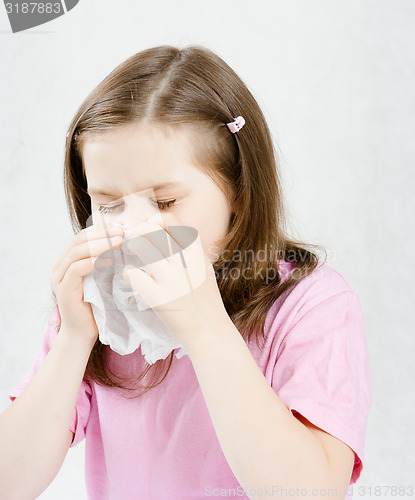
(116, 229)
(116, 225)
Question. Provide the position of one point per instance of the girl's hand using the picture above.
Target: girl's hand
(185, 296)
(68, 270)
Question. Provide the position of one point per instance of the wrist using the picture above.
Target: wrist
(76, 339)
(214, 332)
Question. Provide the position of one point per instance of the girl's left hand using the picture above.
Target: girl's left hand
(185, 296)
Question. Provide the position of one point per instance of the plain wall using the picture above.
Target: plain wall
(335, 80)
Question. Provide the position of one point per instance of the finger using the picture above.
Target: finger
(192, 253)
(148, 254)
(73, 278)
(141, 282)
(173, 237)
(84, 250)
(146, 249)
(154, 293)
(182, 234)
(155, 234)
(90, 233)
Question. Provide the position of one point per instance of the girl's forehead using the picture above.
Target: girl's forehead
(133, 131)
(118, 159)
(141, 144)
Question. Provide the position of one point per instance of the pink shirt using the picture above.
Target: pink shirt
(163, 445)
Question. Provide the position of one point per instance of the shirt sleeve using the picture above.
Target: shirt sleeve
(323, 370)
(83, 403)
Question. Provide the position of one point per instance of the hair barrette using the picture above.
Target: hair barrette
(75, 135)
(236, 125)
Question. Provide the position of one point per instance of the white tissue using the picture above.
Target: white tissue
(124, 319)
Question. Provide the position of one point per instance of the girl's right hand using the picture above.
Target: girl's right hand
(68, 270)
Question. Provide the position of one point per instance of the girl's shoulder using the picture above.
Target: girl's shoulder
(316, 357)
(324, 280)
(323, 296)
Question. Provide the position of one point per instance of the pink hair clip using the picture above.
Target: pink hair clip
(236, 125)
(75, 135)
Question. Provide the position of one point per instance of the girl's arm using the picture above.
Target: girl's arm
(35, 430)
(264, 444)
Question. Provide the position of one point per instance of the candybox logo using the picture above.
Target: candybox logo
(24, 15)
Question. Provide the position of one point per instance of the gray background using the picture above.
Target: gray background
(335, 80)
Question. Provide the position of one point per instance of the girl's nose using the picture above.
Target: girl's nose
(136, 209)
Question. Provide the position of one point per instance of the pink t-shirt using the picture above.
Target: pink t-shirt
(163, 445)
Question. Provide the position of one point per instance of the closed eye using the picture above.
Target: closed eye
(162, 205)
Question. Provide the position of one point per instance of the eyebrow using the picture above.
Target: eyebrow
(156, 187)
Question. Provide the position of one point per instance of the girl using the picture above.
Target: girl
(273, 395)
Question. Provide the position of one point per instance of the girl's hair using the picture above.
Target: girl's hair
(193, 87)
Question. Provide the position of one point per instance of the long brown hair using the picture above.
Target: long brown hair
(194, 86)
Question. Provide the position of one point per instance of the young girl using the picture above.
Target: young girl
(273, 395)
